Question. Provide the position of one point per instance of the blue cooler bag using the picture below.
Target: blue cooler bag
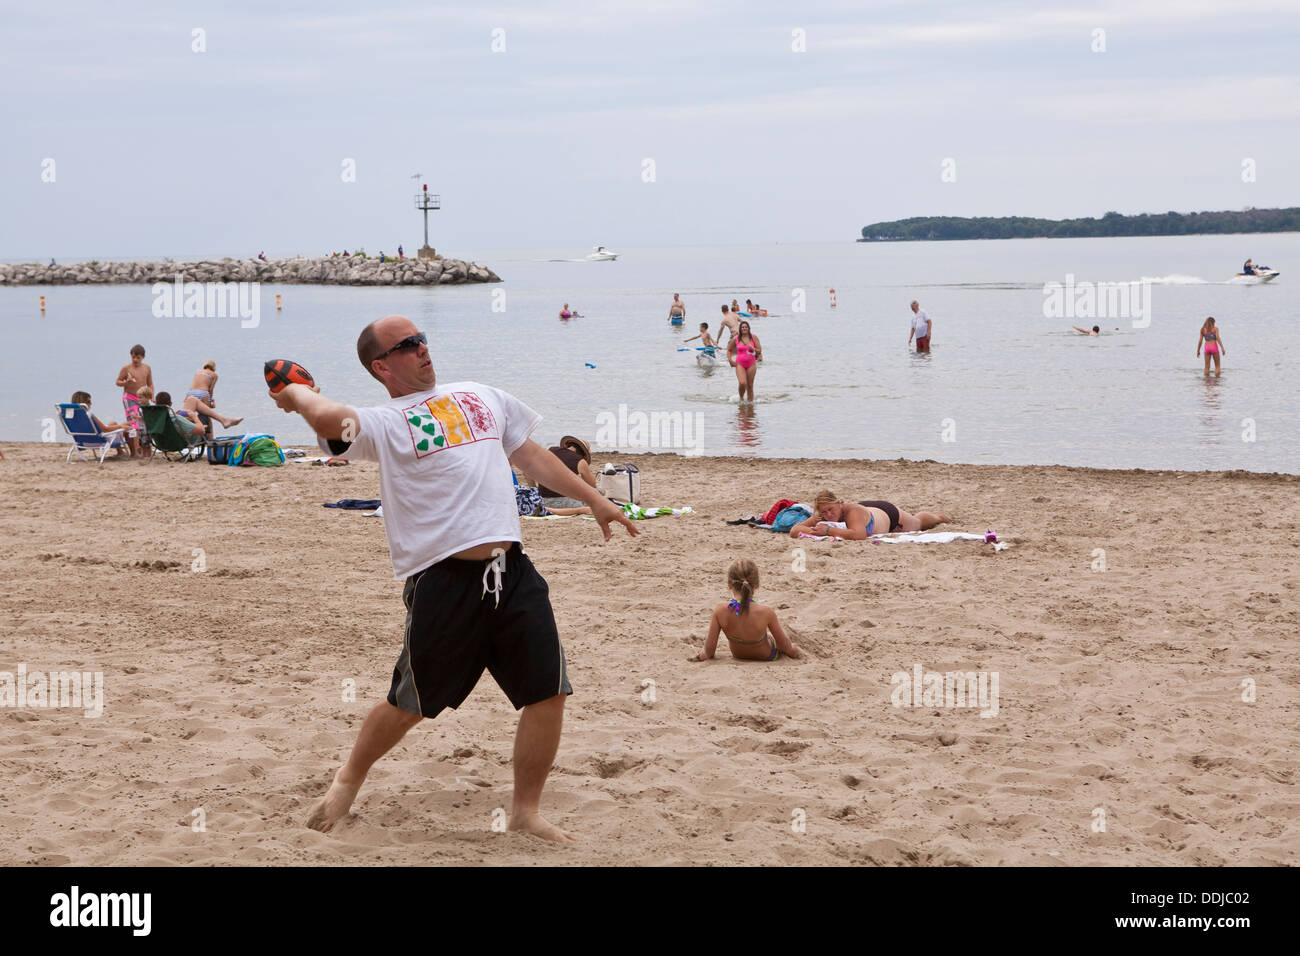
(220, 449)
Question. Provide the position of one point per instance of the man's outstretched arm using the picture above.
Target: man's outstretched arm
(327, 418)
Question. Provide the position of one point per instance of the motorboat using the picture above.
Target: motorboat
(601, 254)
(1261, 275)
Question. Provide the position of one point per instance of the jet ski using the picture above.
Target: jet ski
(1261, 275)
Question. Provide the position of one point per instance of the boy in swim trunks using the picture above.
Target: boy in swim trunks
(707, 340)
(131, 379)
(751, 629)
(473, 599)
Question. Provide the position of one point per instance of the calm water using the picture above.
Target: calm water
(1003, 383)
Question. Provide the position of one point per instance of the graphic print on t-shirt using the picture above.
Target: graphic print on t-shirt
(453, 419)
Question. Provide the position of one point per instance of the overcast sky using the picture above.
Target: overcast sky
(160, 150)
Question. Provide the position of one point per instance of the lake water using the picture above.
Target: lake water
(1004, 384)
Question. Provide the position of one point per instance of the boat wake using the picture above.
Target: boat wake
(1175, 279)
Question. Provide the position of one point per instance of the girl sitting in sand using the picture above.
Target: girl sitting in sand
(746, 623)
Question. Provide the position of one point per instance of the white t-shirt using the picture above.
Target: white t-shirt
(444, 476)
(921, 324)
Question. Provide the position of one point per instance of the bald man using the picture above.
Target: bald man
(474, 601)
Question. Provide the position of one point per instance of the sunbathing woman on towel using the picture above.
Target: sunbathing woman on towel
(855, 522)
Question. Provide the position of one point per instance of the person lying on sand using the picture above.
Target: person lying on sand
(856, 522)
(746, 623)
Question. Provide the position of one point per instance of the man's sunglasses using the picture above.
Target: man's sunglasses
(410, 342)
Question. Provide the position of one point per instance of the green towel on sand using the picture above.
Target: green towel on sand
(637, 513)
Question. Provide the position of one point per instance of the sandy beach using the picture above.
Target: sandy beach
(1121, 691)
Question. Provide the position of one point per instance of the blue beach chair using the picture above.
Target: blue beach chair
(85, 434)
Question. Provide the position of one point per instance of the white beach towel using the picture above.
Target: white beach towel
(929, 537)
(924, 537)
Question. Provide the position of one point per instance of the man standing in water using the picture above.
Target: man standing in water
(921, 326)
(474, 601)
(729, 321)
(677, 310)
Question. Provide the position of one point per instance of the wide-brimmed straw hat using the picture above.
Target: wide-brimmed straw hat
(580, 446)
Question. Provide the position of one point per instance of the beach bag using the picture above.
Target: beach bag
(789, 517)
(621, 483)
(777, 508)
(264, 451)
(239, 453)
(219, 449)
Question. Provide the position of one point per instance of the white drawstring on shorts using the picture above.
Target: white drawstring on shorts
(496, 566)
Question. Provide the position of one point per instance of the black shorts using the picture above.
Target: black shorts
(455, 629)
(887, 508)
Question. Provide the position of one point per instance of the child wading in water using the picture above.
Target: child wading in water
(1212, 338)
(745, 623)
(705, 338)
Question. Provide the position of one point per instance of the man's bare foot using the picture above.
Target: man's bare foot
(535, 824)
(334, 806)
(232, 422)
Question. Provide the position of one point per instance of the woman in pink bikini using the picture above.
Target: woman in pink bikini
(744, 352)
(1212, 338)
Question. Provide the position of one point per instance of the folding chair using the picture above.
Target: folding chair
(85, 434)
(168, 437)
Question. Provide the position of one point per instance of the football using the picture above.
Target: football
(282, 372)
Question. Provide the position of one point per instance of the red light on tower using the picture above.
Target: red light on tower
(425, 187)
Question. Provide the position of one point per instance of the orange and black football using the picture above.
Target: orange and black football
(282, 372)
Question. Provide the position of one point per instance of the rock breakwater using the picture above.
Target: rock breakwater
(333, 270)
